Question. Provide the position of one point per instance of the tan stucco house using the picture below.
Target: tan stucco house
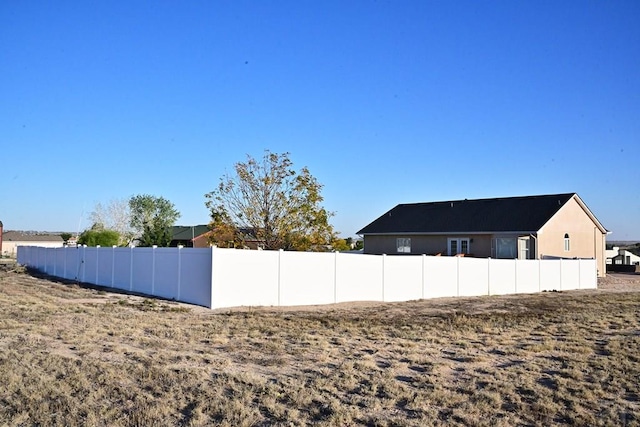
(527, 227)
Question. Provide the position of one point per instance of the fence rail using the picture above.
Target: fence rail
(215, 277)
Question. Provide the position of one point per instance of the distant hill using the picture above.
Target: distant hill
(623, 243)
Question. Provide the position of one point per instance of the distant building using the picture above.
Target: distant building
(617, 256)
(12, 239)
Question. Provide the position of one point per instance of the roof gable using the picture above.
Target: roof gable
(509, 214)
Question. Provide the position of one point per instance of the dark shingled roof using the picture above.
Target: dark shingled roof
(19, 236)
(509, 214)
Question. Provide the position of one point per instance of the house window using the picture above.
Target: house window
(506, 247)
(458, 246)
(403, 245)
(567, 246)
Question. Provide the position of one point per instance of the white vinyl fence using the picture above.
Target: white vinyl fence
(216, 277)
(171, 273)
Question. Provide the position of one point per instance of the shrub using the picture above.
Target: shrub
(99, 238)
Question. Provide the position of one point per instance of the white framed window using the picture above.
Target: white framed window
(567, 244)
(458, 246)
(403, 245)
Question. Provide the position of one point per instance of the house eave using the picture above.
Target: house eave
(448, 233)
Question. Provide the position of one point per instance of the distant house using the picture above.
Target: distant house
(197, 236)
(528, 227)
(12, 239)
(625, 257)
(193, 236)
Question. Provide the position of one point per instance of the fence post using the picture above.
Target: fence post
(579, 273)
(97, 262)
(179, 269)
(84, 264)
(335, 277)
(515, 274)
(539, 274)
(113, 266)
(280, 251)
(153, 269)
(424, 257)
(131, 268)
(489, 276)
(457, 276)
(560, 275)
(384, 259)
(212, 248)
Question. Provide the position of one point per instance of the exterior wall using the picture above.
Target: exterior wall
(429, 245)
(201, 241)
(586, 240)
(610, 253)
(10, 247)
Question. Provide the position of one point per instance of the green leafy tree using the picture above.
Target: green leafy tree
(279, 206)
(65, 237)
(341, 245)
(99, 237)
(153, 218)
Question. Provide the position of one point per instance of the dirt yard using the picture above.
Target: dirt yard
(73, 355)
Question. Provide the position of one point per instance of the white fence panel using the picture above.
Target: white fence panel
(244, 277)
(142, 270)
(122, 258)
(90, 265)
(569, 275)
(550, 275)
(105, 267)
(402, 278)
(166, 272)
(473, 277)
(45, 261)
(52, 261)
(307, 278)
(440, 277)
(61, 263)
(41, 259)
(49, 263)
(527, 276)
(72, 258)
(58, 263)
(502, 276)
(21, 256)
(588, 274)
(359, 278)
(194, 283)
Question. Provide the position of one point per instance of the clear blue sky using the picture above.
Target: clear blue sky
(385, 102)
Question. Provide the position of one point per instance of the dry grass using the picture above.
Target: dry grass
(74, 356)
